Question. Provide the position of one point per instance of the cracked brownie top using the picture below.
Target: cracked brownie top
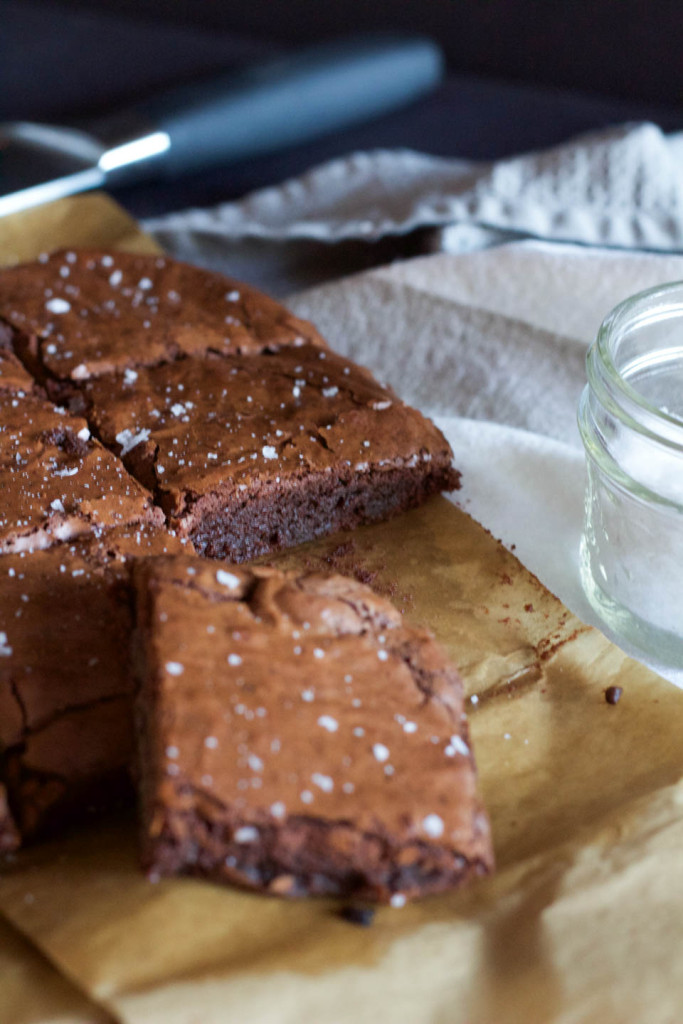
(58, 481)
(280, 709)
(76, 314)
(188, 427)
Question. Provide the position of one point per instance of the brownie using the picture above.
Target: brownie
(13, 377)
(65, 681)
(80, 313)
(296, 737)
(10, 837)
(246, 454)
(58, 482)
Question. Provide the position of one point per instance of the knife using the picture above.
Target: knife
(262, 109)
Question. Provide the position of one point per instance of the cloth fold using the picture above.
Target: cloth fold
(622, 188)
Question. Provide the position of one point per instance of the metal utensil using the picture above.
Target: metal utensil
(265, 108)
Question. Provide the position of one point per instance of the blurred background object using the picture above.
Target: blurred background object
(266, 108)
(523, 74)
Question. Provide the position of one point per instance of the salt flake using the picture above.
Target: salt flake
(433, 826)
(227, 579)
(329, 723)
(129, 440)
(58, 306)
(245, 834)
(323, 782)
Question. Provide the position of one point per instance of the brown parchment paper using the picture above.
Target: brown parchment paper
(90, 219)
(584, 920)
(32, 991)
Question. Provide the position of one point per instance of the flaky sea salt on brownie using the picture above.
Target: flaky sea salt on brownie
(57, 481)
(65, 680)
(296, 737)
(251, 453)
(80, 313)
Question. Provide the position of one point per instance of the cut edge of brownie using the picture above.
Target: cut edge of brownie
(71, 754)
(276, 514)
(271, 514)
(10, 836)
(285, 859)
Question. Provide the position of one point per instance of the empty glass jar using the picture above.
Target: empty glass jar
(631, 422)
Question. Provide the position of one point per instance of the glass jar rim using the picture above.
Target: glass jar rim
(635, 309)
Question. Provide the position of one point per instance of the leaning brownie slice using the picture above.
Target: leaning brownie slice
(57, 481)
(65, 682)
(247, 454)
(79, 313)
(296, 737)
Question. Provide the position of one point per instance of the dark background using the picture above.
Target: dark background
(623, 48)
(522, 74)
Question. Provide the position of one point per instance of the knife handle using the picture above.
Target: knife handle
(289, 100)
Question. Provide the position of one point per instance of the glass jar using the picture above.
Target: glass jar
(631, 423)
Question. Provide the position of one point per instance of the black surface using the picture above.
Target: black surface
(60, 63)
(629, 49)
(69, 62)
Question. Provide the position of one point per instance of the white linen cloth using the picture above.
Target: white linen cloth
(489, 339)
(620, 187)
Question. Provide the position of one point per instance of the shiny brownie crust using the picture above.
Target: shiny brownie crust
(247, 431)
(296, 737)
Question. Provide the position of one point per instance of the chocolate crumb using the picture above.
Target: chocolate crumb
(66, 440)
(348, 548)
(354, 914)
(613, 694)
(363, 575)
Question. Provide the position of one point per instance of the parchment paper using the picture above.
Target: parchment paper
(90, 219)
(32, 991)
(582, 922)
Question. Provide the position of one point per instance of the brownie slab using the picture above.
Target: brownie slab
(13, 377)
(247, 454)
(76, 314)
(65, 682)
(296, 737)
(57, 481)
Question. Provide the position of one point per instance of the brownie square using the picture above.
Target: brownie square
(58, 482)
(297, 738)
(65, 682)
(76, 314)
(247, 454)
